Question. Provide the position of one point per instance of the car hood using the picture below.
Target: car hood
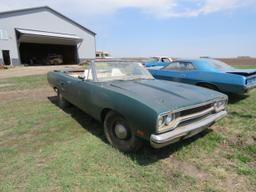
(166, 95)
(244, 72)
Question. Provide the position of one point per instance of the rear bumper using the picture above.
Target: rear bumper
(161, 140)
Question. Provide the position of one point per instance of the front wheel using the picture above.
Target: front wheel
(119, 134)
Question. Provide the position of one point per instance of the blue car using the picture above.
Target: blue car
(209, 73)
(157, 61)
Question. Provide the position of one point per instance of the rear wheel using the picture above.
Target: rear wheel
(62, 102)
(119, 134)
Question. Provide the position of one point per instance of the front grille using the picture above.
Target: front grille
(195, 114)
(195, 110)
(187, 122)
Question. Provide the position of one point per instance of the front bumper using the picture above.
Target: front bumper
(161, 140)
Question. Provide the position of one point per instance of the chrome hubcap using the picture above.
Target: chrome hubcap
(120, 131)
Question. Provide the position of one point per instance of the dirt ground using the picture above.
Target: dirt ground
(32, 70)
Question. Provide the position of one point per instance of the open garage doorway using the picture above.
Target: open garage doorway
(47, 54)
(47, 48)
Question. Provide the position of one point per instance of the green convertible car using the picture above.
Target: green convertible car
(134, 107)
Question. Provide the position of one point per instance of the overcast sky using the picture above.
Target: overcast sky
(180, 28)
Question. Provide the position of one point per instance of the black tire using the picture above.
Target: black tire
(128, 144)
(62, 102)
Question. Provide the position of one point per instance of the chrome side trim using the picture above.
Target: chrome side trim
(161, 140)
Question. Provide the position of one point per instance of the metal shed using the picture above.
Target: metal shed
(33, 36)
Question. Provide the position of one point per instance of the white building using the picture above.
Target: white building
(31, 36)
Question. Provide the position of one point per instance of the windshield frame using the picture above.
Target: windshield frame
(92, 69)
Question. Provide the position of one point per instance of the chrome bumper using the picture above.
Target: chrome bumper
(161, 140)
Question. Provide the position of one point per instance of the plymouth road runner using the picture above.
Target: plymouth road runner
(209, 73)
(134, 107)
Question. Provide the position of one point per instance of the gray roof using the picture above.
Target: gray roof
(43, 8)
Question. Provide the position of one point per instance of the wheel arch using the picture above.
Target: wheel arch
(104, 112)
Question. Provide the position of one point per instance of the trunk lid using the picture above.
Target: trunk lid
(244, 72)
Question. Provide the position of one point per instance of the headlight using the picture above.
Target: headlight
(165, 122)
(168, 119)
(220, 105)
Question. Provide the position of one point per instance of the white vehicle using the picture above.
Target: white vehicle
(164, 59)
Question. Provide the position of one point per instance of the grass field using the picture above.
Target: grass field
(43, 148)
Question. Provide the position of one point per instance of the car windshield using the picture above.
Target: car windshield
(120, 70)
(219, 65)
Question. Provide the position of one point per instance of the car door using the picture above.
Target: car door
(81, 92)
(187, 70)
(85, 94)
(176, 71)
